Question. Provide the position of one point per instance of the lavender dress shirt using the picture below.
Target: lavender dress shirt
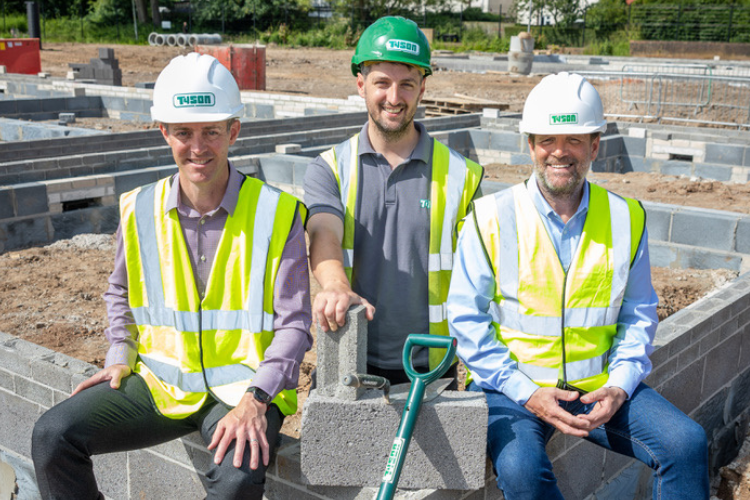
(292, 313)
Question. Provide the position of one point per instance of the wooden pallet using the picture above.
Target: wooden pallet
(459, 104)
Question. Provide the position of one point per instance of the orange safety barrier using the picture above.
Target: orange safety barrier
(247, 63)
(20, 55)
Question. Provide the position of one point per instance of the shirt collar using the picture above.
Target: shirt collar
(422, 151)
(543, 206)
(228, 202)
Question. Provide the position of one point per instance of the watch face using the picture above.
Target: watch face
(260, 395)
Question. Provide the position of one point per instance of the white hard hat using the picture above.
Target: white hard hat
(563, 104)
(195, 88)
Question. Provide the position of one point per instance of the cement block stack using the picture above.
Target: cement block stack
(104, 70)
(347, 433)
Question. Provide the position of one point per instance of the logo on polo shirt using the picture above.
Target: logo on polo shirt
(194, 100)
(424, 203)
(402, 46)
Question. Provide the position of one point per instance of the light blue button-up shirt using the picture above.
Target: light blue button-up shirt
(472, 289)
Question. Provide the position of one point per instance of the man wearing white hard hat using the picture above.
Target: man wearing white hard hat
(552, 305)
(209, 309)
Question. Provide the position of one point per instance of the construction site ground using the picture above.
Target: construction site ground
(52, 295)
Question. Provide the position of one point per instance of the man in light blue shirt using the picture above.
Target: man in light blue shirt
(552, 305)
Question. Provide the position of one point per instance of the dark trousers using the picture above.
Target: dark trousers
(103, 420)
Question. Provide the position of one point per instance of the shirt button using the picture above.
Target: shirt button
(203, 258)
(203, 221)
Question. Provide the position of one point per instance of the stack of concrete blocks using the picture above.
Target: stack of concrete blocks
(347, 432)
(103, 70)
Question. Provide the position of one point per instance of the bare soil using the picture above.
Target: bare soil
(52, 295)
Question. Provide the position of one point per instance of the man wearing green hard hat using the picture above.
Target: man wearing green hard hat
(384, 204)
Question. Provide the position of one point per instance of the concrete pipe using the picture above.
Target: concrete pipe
(182, 40)
(204, 39)
(152, 38)
(160, 40)
(171, 40)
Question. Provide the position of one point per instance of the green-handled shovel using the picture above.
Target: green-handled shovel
(419, 381)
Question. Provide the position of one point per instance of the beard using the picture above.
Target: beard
(567, 188)
(393, 132)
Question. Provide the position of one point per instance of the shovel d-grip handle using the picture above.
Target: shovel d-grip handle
(419, 382)
(431, 341)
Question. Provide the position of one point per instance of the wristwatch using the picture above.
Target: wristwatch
(260, 395)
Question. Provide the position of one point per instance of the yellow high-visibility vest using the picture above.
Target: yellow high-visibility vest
(455, 180)
(189, 348)
(559, 326)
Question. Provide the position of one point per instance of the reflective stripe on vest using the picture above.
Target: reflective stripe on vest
(185, 342)
(538, 307)
(454, 182)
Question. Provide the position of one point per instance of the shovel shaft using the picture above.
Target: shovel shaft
(400, 446)
(419, 382)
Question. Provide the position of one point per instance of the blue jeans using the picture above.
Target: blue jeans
(647, 427)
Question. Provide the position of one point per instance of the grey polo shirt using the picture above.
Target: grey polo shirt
(391, 242)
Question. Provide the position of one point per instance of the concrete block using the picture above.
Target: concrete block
(738, 400)
(742, 243)
(111, 472)
(479, 139)
(283, 489)
(131, 180)
(520, 159)
(712, 171)
(702, 228)
(681, 390)
(579, 471)
(288, 148)
(673, 167)
(68, 224)
(634, 146)
(723, 362)
(15, 415)
(6, 203)
(710, 414)
(24, 232)
(507, 141)
(726, 154)
(447, 450)
(658, 221)
(66, 118)
(459, 141)
(660, 374)
(490, 113)
(7, 381)
(174, 481)
(637, 132)
(634, 164)
(52, 371)
(33, 391)
(341, 353)
(661, 135)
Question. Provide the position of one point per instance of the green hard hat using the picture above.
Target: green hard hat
(393, 39)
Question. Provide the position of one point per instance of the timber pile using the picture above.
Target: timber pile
(459, 104)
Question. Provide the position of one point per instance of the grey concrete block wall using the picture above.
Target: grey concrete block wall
(701, 363)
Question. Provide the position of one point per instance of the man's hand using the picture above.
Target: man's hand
(608, 401)
(245, 423)
(331, 304)
(113, 373)
(543, 404)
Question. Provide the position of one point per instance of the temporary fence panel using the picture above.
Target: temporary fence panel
(672, 97)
